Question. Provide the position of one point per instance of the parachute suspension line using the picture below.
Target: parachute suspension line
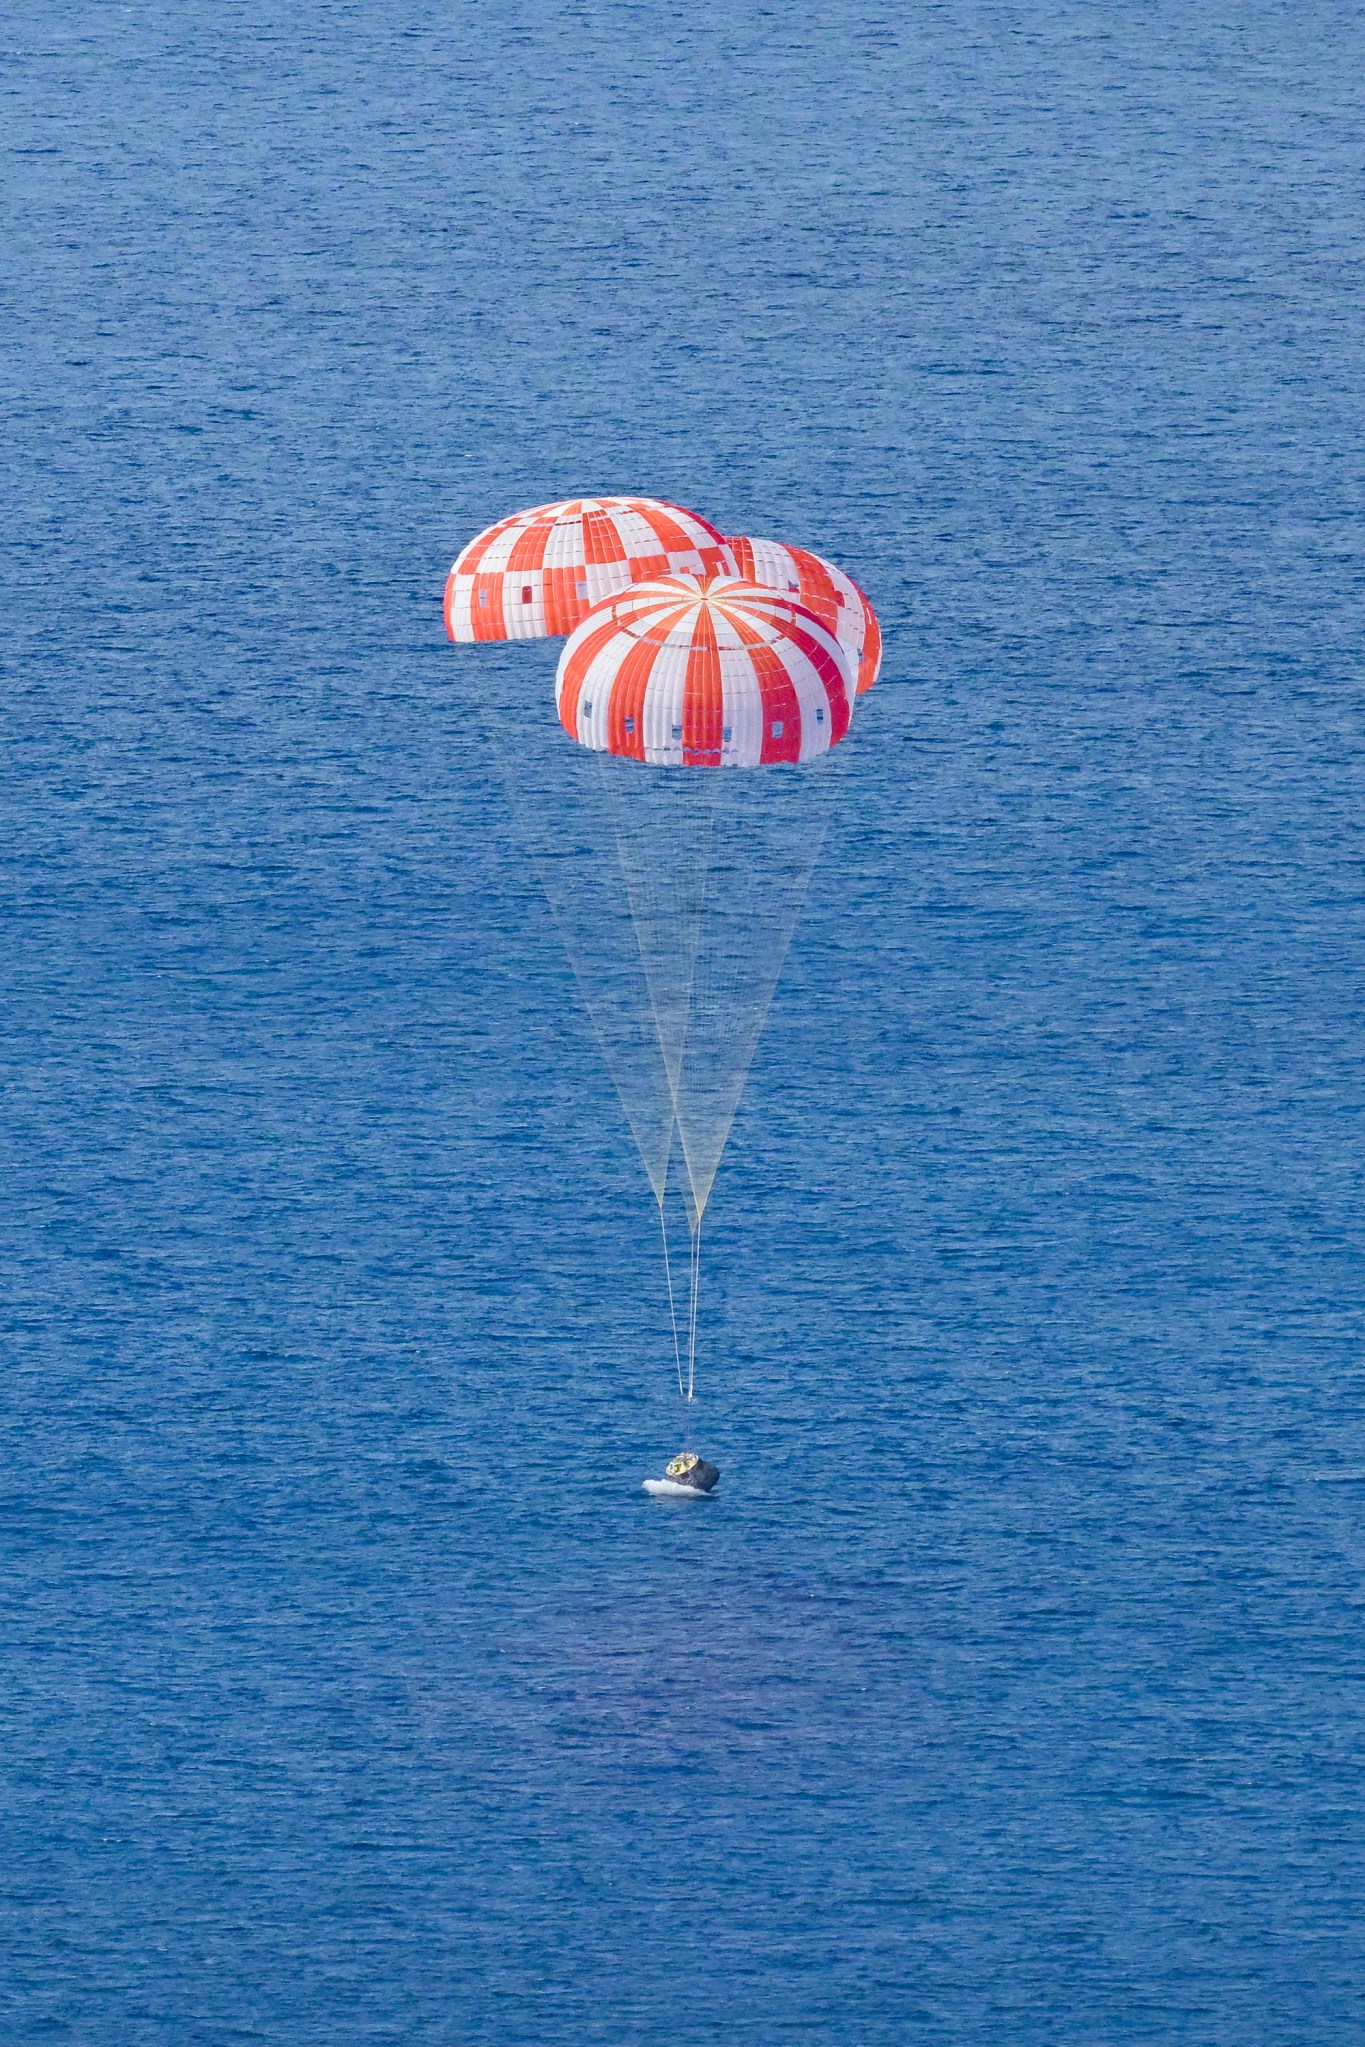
(692, 1318)
(672, 1303)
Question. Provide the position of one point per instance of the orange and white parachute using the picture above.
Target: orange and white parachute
(832, 595)
(714, 671)
(533, 576)
(676, 893)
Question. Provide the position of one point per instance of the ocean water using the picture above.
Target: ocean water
(1011, 1690)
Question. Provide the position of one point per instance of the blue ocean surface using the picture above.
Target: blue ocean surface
(1012, 1688)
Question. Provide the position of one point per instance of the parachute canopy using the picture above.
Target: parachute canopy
(675, 893)
(714, 671)
(534, 575)
(833, 596)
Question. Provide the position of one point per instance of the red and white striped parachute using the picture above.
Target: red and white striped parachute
(676, 894)
(713, 671)
(833, 596)
(533, 576)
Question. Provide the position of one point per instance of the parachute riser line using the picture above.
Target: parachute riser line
(692, 1315)
(672, 1302)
